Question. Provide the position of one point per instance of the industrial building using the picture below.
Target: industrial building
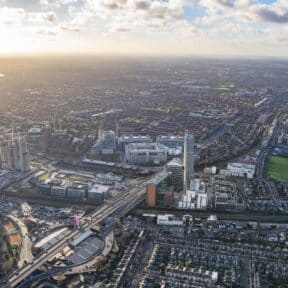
(188, 159)
(158, 191)
(105, 145)
(176, 169)
(145, 153)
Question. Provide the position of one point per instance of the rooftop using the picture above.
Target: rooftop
(99, 188)
(175, 162)
(159, 177)
(146, 146)
(35, 130)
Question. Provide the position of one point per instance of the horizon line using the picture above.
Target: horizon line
(138, 55)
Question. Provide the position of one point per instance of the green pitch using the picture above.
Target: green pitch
(277, 168)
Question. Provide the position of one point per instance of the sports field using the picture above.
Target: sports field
(277, 168)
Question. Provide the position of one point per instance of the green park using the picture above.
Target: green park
(277, 168)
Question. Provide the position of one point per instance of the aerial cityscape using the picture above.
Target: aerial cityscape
(143, 144)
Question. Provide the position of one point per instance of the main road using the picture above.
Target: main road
(116, 207)
(26, 245)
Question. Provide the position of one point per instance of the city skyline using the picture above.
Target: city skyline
(131, 27)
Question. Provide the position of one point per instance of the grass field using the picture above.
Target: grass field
(277, 168)
(44, 176)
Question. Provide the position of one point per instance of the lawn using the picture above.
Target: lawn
(277, 168)
(44, 176)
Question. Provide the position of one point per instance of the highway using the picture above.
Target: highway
(116, 207)
(81, 268)
(261, 163)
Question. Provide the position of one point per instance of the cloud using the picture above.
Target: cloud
(67, 2)
(141, 4)
(70, 28)
(50, 16)
(227, 3)
(268, 15)
(147, 8)
(113, 4)
(120, 28)
(47, 32)
(197, 21)
(11, 16)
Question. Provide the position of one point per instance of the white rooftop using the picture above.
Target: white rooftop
(97, 188)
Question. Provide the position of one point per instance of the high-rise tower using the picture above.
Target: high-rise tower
(14, 155)
(22, 162)
(188, 159)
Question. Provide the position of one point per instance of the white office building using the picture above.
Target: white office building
(196, 197)
(239, 170)
(125, 140)
(170, 141)
(145, 153)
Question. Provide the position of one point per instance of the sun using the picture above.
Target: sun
(23, 42)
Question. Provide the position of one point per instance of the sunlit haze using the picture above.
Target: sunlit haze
(167, 27)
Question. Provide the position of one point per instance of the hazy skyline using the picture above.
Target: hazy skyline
(168, 27)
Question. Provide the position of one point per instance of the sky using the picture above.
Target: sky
(146, 27)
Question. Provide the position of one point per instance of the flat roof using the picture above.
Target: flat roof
(171, 137)
(97, 188)
(88, 248)
(159, 177)
(175, 162)
(50, 238)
